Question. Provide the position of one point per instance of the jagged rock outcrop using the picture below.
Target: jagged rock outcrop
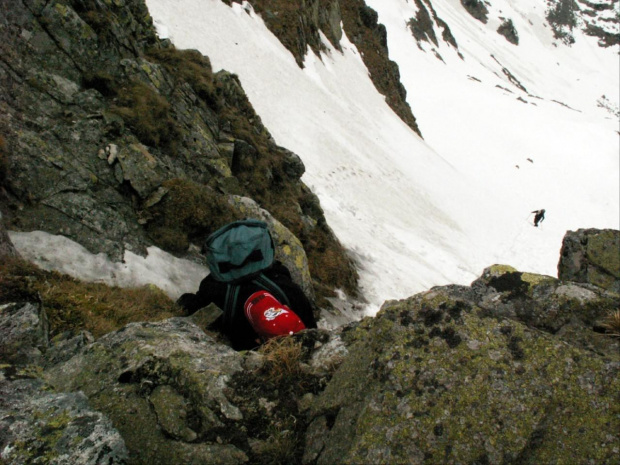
(515, 368)
(162, 384)
(423, 25)
(25, 333)
(598, 19)
(591, 256)
(298, 25)
(477, 9)
(361, 24)
(508, 30)
(119, 141)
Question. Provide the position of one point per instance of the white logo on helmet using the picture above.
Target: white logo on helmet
(272, 313)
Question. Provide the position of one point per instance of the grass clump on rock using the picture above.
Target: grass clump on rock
(611, 324)
(148, 115)
(190, 66)
(187, 213)
(72, 305)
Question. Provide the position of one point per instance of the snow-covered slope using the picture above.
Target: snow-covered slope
(418, 212)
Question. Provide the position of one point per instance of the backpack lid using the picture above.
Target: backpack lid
(239, 250)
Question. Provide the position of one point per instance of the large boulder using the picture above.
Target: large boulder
(473, 375)
(179, 395)
(571, 311)
(591, 256)
(37, 423)
(163, 386)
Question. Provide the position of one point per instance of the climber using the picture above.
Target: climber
(246, 333)
(256, 293)
(539, 216)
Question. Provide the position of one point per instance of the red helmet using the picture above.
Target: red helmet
(270, 318)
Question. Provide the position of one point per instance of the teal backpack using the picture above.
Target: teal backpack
(237, 253)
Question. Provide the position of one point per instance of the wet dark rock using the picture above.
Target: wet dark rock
(508, 30)
(477, 9)
(7, 249)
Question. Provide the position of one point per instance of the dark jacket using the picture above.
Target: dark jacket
(239, 331)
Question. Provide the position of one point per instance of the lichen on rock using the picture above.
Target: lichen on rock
(434, 379)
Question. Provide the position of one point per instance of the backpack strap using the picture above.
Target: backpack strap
(232, 297)
(263, 281)
(230, 304)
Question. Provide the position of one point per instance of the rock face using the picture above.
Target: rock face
(591, 256)
(515, 368)
(119, 141)
(298, 26)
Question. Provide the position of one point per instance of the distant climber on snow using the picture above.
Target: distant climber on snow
(256, 293)
(539, 216)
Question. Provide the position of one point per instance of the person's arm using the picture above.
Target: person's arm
(209, 291)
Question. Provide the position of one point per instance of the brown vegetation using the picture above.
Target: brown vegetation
(283, 357)
(189, 66)
(187, 213)
(72, 305)
(147, 113)
(611, 324)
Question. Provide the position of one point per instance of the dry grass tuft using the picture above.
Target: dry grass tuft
(148, 114)
(188, 213)
(73, 305)
(611, 323)
(283, 357)
(189, 66)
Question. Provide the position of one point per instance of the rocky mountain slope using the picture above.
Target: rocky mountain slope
(516, 368)
(119, 141)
